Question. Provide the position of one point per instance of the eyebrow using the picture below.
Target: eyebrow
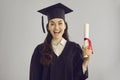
(60, 21)
(51, 21)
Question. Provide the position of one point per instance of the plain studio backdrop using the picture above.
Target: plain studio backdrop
(21, 32)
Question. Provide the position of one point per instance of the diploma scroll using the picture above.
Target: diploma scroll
(87, 41)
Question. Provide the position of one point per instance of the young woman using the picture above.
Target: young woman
(57, 58)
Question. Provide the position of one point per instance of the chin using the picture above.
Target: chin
(57, 37)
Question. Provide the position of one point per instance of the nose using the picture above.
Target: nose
(56, 26)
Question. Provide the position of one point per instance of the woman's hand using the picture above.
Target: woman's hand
(86, 54)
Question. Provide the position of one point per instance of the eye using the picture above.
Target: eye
(51, 24)
(60, 23)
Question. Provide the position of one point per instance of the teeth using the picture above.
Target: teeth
(56, 31)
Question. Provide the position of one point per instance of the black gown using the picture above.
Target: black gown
(67, 66)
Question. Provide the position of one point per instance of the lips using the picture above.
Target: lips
(57, 32)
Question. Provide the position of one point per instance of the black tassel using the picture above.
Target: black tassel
(43, 24)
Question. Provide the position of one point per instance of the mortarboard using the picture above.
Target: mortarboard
(55, 11)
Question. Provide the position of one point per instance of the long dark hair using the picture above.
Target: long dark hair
(47, 51)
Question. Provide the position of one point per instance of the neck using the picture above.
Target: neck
(57, 41)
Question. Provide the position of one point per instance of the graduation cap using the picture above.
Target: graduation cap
(55, 11)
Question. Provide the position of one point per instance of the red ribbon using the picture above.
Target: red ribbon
(89, 44)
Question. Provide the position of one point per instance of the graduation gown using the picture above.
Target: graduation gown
(67, 66)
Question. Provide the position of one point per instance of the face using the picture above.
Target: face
(56, 27)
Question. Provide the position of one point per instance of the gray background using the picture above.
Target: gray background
(20, 33)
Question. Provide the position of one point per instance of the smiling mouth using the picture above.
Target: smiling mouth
(57, 32)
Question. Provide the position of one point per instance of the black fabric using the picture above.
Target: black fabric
(55, 11)
(68, 66)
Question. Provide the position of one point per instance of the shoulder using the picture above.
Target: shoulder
(74, 44)
(39, 46)
(38, 49)
(75, 47)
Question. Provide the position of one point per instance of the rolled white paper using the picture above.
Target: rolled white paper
(86, 35)
(86, 29)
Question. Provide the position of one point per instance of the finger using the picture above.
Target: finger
(83, 46)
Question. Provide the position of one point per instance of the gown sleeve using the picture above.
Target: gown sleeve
(35, 67)
(78, 61)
